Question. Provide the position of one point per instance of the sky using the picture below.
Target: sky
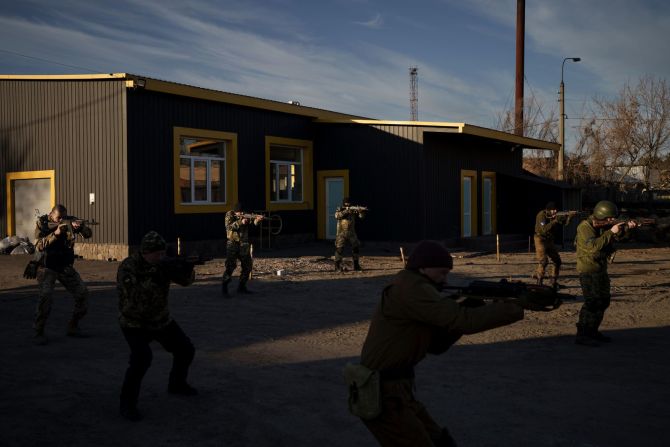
(352, 56)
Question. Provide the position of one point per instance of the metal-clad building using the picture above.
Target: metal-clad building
(137, 154)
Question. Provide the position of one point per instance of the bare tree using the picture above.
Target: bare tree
(632, 130)
(536, 124)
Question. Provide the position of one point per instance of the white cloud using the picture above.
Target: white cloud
(376, 22)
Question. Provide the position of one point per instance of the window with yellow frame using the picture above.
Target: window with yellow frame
(205, 170)
(289, 176)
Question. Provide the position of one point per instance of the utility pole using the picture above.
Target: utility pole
(518, 96)
(413, 94)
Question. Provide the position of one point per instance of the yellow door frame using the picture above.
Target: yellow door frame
(26, 175)
(494, 220)
(321, 177)
(473, 202)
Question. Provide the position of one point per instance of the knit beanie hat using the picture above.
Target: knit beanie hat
(430, 254)
(152, 242)
(550, 206)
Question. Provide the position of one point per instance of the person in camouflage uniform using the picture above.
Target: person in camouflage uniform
(143, 282)
(55, 235)
(346, 233)
(545, 222)
(238, 247)
(411, 320)
(595, 243)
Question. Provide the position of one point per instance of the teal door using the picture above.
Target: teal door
(334, 196)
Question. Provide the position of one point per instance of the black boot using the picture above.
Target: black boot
(338, 266)
(357, 266)
(242, 289)
(130, 412)
(599, 336)
(183, 389)
(224, 289)
(585, 338)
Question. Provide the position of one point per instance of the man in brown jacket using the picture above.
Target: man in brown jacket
(412, 320)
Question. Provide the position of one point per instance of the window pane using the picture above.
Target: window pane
(273, 181)
(203, 147)
(283, 182)
(218, 181)
(200, 180)
(283, 153)
(296, 183)
(185, 179)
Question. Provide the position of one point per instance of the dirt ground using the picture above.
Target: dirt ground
(268, 367)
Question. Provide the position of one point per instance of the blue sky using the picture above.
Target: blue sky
(351, 56)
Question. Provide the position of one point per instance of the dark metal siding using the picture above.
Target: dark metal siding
(446, 154)
(151, 119)
(384, 164)
(76, 128)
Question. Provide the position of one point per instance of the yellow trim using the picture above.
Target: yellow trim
(232, 98)
(468, 129)
(65, 77)
(307, 174)
(473, 202)
(26, 175)
(494, 221)
(231, 170)
(321, 177)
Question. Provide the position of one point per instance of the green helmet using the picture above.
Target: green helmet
(605, 209)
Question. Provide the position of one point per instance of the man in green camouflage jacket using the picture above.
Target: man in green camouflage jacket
(595, 243)
(545, 222)
(143, 282)
(56, 234)
(238, 247)
(346, 233)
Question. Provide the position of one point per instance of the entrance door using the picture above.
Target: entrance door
(332, 187)
(334, 196)
(468, 203)
(29, 193)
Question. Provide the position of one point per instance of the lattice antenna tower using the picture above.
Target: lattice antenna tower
(413, 94)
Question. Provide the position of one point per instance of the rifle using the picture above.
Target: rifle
(640, 222)
(180, 267)
(251, 216)
(356, 208)
(571, 213)
(529, 296)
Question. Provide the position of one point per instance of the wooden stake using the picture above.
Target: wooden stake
(498, 248)
(178, 246)
(529, 244)
(402, 256)
(251, 254)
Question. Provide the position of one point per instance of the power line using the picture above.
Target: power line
(51, 62)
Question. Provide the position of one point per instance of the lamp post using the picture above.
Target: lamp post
(561, 121)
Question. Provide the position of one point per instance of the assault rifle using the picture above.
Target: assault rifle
(640, 222)
(180, 267)
(251, 216)
(571, 213)
(356, 208)
(529, 296)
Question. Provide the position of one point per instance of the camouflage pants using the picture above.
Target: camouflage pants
(72, 283)
(341, 240)
(596, 291)
(404, 421)
(545, 250)
(235, 251)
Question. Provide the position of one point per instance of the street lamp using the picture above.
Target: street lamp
(561, 122)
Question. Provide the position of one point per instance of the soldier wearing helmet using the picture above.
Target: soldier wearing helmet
(595, 242)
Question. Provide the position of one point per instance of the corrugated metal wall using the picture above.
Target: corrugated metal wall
(385, 173)
(151, 119)
(446, 155)
(76, 128)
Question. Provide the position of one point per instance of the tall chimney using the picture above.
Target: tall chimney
(518, 94)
